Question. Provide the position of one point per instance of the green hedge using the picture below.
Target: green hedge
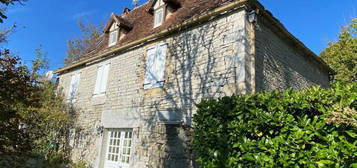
(311, 128)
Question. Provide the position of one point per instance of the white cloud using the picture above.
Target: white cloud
(82, 14)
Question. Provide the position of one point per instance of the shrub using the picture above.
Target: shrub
(34, 121)
(311, 128)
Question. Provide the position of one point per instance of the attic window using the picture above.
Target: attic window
(113, 34)
(158, 17)
(113, 38)
(162, 9)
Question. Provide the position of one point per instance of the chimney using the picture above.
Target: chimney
(125, 11)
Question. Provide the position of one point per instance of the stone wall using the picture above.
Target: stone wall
(208, 60)
(280, 65)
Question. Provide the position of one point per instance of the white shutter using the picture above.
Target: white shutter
(160, 63)
(71, 87)
(149, 74)
(103, 83)
(155, 66)
(98, 81)
(78, 77)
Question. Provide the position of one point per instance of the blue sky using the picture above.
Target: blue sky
(51, 23)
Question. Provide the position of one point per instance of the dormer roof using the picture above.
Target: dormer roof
(142, 26)
(175, 4)
(122, 23)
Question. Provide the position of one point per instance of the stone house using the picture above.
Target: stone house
(135, 92)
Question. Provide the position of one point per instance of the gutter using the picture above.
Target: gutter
(200, 18)
(167, 31)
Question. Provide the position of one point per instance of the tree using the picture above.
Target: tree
(89, 39)
(33, 118)
(6, 32)
(4, 4)
(342, 55)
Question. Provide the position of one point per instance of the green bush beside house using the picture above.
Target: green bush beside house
(311, 128)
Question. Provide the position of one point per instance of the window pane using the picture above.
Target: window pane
(119, 146)
(158, 18)
(113, 37)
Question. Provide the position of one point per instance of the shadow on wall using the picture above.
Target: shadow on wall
(80, 138)
(200, 64)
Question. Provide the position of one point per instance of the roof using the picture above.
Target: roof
(122, 22)
(139, 19)
(190, 12)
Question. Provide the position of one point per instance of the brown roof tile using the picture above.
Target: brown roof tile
(142, 21)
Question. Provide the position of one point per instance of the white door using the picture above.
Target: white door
(118, 148)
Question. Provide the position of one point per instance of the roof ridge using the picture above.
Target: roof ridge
(139, 6)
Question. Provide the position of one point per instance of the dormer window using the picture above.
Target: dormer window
(113, 34)
(159, 17)
(116, 29)
(113, 38)
(162, 9)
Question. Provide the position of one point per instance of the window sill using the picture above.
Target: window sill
(111, 45)
(99, 95)
(154, 86)
(99, 99)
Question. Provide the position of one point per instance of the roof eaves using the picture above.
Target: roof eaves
(273, 20)
(205, 16)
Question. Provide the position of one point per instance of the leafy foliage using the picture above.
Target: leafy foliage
(312, 128)
(342, 55)
(33, 122)
(4, 4)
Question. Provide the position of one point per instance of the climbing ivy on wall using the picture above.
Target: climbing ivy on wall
(311, 128)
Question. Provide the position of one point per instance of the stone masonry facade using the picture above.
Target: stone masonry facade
(281, 65)
(222, 56)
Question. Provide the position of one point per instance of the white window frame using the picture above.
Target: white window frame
(74, 86)
(118, 148)
(158, 22)
(155, 63)
(102, 79)
(113, 37)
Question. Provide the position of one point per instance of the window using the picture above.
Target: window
(113, 38)
(158, 17)
(102, 78)
(73, 87)
(155, 66)
(118, 148)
